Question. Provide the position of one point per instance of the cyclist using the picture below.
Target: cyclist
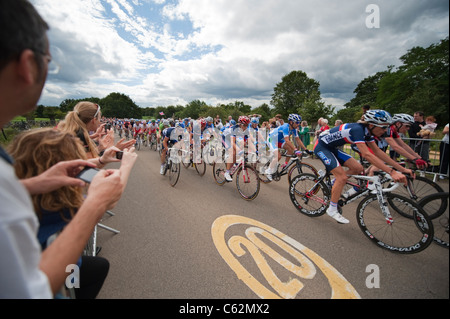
(239, 136)
(170, 136)
(401, 124)
(152, 129)
(279, 137)
(374, 124)
(138, 129)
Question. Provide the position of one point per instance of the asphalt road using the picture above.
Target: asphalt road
(200, 240)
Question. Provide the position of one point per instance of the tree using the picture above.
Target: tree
(296, 93)
(120, 105)
(294, 90)
(420, 84)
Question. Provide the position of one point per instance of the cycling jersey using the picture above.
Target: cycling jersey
(390, 132)
(172, 134)
(328, 141)
(278, 136)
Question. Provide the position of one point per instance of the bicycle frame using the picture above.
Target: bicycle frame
(377, 181)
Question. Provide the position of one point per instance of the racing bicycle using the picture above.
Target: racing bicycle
(247, 178)
(391, 221)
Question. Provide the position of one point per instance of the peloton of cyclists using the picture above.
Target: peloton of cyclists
(374, 124)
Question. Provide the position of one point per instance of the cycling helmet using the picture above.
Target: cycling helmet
(232, 122)
(166, 123)
(295, 117)
(209, 119)
(403, 118)
(244, 120)
(203, 122)
(179, 124)
(255, 120)
(377, 117)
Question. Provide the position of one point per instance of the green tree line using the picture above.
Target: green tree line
(419, 84)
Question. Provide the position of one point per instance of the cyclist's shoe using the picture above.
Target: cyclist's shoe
(350, 192)
(228, 177)
(268, 174)
(372, 189)
(338, 217)
(161, 171)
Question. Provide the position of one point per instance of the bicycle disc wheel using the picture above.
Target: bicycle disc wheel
(200, 167)
(174, 173)
(310, 200)
(247, 182)
(301, 168)
(398, 234)
(219, 169)
(431, 204)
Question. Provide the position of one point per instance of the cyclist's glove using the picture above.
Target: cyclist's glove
(420, 162)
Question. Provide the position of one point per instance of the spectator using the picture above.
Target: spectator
(416, 139)
(279, 120)
(25, 271)
(304, 133)
(57, 208)
(444, 154)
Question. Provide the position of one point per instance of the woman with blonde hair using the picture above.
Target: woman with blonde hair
(85, 117)
(34, 152)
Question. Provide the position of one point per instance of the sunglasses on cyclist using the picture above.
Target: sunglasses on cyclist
(384, 127)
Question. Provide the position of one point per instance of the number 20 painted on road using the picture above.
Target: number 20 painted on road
(308, 260)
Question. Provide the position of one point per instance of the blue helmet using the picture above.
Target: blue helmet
(255, 120)
(233, 122)
(378, 117)
(295, 117)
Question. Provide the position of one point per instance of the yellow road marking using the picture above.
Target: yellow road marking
(308, 260)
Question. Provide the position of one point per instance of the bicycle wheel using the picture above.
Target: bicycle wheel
(174, 172)
(200, 167)
(138, 143)
(301, 168)
(431, 204)
(398, 234)
(309, 199)
(219, 169)
(422, 187)
(247, 182)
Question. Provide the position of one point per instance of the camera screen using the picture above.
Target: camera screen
(87, 174)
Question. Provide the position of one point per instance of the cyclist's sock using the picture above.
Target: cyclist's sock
(333, 206)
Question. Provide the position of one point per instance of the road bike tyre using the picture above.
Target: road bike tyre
(218, 170)
(247, 182)
(200, 167)
(403, 235)
(308, 201)
(261, 169)
(431, 204)
(423, 187)
(303, 168)
(174, 173)
(138, 144)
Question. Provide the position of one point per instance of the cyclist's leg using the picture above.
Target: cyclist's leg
(333, 165)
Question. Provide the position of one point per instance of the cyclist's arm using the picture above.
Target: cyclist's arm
(378, 158)
(402, 148)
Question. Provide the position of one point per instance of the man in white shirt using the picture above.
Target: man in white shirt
(25, 271)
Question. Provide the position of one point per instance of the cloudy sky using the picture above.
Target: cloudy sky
(170, 52)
